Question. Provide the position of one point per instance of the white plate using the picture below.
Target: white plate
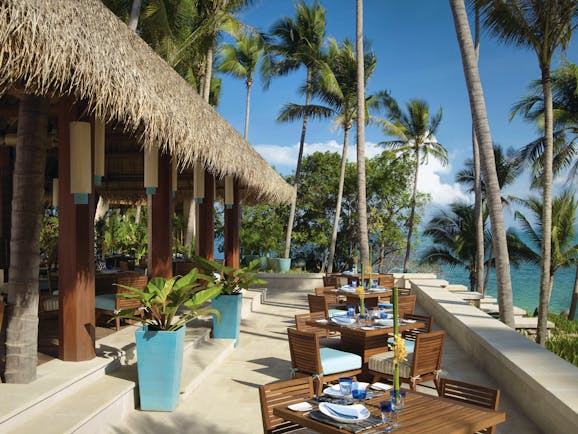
(300, 406)
(343, 320)
(381, 386)
(326, 409)
(384, 321)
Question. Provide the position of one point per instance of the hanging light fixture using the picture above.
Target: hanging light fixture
(80, 162)
(151, 170)
(175, 175)
(55, 192)
(98, 151)
(199, 181)
(229, 191)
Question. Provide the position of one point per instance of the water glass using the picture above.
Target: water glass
(345, 385)
(386, 415)
(358, 391)
(354, 283)
(351, 311)
(374, 283)
(397, 404)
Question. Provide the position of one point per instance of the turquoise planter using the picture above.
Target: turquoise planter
(279, 265)
(159, 363)
(229, 326)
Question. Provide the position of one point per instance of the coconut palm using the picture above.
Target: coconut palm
(29, 166)
(484, 137)
(414, 132)
(241, 60)
(564, 251)
(543, 26)
(296, 42)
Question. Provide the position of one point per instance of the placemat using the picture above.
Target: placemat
(360, 426)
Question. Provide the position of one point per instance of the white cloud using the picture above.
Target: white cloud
(284, 159)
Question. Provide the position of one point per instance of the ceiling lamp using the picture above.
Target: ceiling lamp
(151, 170)
(199, 181)
(98, 151)
(80, 162)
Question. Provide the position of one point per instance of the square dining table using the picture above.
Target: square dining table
(422, 414)
(364, 340)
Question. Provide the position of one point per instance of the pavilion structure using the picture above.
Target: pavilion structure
(156, 132)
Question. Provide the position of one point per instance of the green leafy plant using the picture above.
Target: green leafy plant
(232, 280)
(172, 303)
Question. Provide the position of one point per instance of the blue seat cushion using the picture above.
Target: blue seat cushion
(409, 345)
(333, 361)
(105, 302)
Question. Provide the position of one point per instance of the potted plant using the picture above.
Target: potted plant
(168, 305)
(229, 303)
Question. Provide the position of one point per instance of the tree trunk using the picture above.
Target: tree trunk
(298, 169)
(191, 233)
(208, 75)
(479, 114)
(542, 332)
(362, 196)
(412, 213)
(137, 214)
(102, 208)
(574, 302)
(22, 330)
(247, 107)
(381, 257)
(339, 199)
(134, 14)
(488, 272)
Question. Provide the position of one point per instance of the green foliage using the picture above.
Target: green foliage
(164, 299)
(49, 238)
(120, 233)
(263, 229)
(232, 280)
(565, 346)
(563, 324)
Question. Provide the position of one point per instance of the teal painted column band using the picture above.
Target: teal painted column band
(81, 198)
(229, 326)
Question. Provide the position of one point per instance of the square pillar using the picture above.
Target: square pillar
(206, 226)
(232, 228)
(75, 255)
(6, 170)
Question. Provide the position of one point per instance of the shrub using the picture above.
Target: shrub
(565, 346)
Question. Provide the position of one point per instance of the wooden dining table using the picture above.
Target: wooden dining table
(381, 294)
(364, 340)
(422, 414)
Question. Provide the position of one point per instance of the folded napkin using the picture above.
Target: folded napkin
(386, 322)
(343, 319)
(339, 313)
(346, 411)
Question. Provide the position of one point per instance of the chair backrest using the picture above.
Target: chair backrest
(318, 303)
(410, 335)
(334, 281)
(327, 292)
(304, 350)
(285, 392)
(135, 280)
(427, 355)
(301, 319)
(471, 394)
(405, 304)
(386, 280)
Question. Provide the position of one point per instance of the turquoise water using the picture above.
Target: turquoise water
(525, 285)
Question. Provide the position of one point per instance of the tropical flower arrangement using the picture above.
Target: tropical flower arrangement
(399, 350)
(361, 292)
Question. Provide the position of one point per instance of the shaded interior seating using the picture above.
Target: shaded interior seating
(386, 280)
(110, 303)
(323, 364)
(409, 336)
(405, 305)
(421, 365)
(471, 394)
(320, 303)
(284, 392)
(301, 319)
(1, 317)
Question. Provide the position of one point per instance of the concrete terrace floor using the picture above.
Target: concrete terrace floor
(228, 400)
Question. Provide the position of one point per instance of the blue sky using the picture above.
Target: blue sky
(417, 57)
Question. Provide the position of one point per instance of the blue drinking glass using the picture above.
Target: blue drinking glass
(358, 391)
(397, 404)
(386, 415)
(345, 385)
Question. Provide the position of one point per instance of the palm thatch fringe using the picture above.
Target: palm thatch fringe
(80, 48)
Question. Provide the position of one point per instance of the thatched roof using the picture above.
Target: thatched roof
(80, 48)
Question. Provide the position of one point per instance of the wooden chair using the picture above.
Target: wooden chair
(405, 305)
(110, 303)
(409, 336)
(284, 392)
(471, 394)
(323, 364)
(334, 280)
(300, 323)
(386, 280)
(326, 291)
(421, 365)
(320, 303)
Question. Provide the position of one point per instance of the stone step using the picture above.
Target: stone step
(494, 308)
(530, 323)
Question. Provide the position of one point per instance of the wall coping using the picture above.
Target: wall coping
(542, 384)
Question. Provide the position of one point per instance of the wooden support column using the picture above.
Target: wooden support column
(6, 171)
(206, 226)
(160, 255)
(232, 228)
(75, 256)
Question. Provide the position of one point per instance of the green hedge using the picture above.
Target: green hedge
(564, 324)
(564, 339)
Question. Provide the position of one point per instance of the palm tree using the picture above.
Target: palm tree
(29, 166)
(415, 134)
(484, 137)
(362, 194)
(294, 43)
(543, 26)
(564, 251)
(241, 61)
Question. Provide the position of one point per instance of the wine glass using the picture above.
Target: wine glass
(397, 404)
(386, 414)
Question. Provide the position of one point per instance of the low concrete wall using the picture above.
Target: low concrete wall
(289, 281)
(543, 385)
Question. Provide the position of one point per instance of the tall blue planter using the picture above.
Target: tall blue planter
(159, 363)
(229, 326)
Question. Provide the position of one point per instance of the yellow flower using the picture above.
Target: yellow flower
(360, 291)
(399, 350)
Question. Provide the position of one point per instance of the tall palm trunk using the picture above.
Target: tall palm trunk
(208, 74)
(339, 198)
(478, 216)
(488, 272)
(479, 115)
(249, 83)
(412, 212)
(547, 156)
(134, 14)
(298, 168)
(362, 196)
(22, 330)
(574, 302)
